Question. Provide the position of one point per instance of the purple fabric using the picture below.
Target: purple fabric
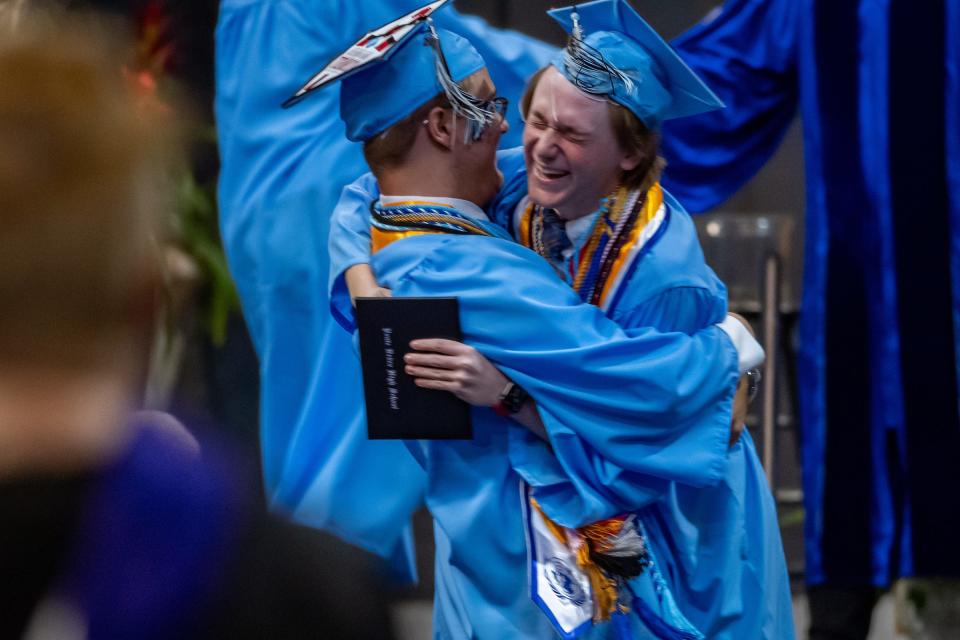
(152, 542)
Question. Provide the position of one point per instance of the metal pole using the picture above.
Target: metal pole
(771, 332)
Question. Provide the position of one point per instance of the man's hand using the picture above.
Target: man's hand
(740, 405)
(452, 366)
(362, 284)
(741, 400)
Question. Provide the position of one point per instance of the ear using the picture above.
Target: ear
(440, 126)
(630, 161)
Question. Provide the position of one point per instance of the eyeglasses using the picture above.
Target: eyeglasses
(498, 106)
(485, 114)
(478, 113)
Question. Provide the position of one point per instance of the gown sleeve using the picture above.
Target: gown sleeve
(624, 413)
(746, 52)
(684, 309)
(350, 242)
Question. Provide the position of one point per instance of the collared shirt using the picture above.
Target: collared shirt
(577, 231)
(465, 207)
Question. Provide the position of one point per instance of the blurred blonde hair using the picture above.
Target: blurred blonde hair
(10, 13)
(80, 170)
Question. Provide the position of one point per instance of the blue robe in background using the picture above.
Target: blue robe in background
(282, 172)
(876, 82)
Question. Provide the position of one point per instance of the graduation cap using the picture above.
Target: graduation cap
(391, 71)
(613, 52)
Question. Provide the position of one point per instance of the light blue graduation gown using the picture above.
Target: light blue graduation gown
(282, 171)
(602, 395)
(718, 545)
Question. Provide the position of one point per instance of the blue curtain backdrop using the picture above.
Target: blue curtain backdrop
(877, 367)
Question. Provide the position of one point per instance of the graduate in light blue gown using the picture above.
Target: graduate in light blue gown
(719, 546)
(604, 402)
(282, 172)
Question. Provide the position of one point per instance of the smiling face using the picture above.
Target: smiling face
(570, 147)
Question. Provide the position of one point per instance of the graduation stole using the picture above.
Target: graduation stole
(579, 575)
(592, 574)
(628, 221)
(422, 217)
(601, 572)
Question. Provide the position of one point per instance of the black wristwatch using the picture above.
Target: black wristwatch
(753, 383)
(512, 399)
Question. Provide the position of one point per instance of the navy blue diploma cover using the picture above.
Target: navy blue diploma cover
(396, 407)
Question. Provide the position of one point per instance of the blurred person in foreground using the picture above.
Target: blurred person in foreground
(115, 524)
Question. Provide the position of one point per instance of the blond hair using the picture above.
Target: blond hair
(78, 189)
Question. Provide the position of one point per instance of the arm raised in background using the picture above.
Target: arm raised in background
(282, 171)
(746, 52)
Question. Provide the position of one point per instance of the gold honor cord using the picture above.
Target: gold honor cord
(618, 229)
(415, 218)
